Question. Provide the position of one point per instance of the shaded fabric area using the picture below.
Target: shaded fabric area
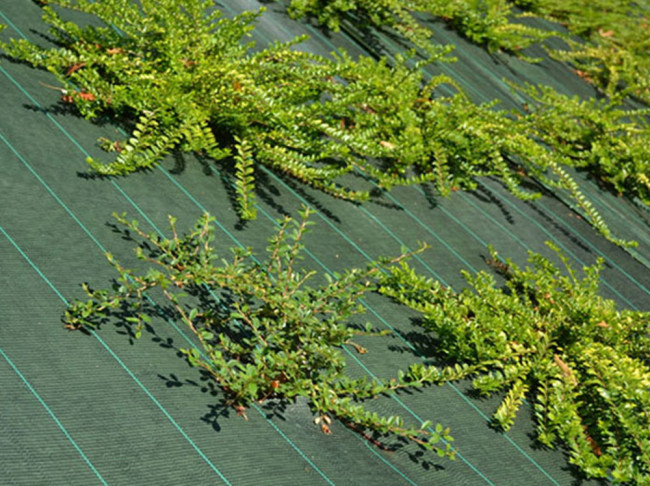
(85, 409)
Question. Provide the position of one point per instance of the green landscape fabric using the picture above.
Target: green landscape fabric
(98, 408)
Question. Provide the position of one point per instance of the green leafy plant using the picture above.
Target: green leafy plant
(383, 13)
(611, 51)
(547, 336)
(263, 330)
(486, 22)
(181, 74)
(616, 54)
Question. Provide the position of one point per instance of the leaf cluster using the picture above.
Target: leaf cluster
(189, 82)
(548, 337)
(263, 329)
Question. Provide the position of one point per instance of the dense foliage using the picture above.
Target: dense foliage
(185, 76)
(616, 54)
(549, 337)
(182, 75)
(488, 23)
(612, 49)
(610, 142)
(263, 329)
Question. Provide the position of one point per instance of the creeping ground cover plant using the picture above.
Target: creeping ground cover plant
(185, 78)
(181, 78)
(263, 329)
(549, 338)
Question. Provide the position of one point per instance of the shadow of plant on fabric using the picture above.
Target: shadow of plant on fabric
(263, 330)
(187, 81)
(547, 335)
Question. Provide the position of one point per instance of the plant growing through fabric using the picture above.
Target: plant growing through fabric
(264, 329)
(547, 337)
(179, 76)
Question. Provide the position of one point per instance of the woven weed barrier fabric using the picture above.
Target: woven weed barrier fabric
(81, 409)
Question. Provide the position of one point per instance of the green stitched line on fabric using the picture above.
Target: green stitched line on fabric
(295, 447)
(383, 459)
(572, 230)
(398, 240)
(120, 362)
(600, 199)
(430, 230)
(72, 139)
(12, 25)
(20, 87)
(568, 227)
(58, 125)
(52, 193)
(566, 250)
(417, 417)
(46, 406)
